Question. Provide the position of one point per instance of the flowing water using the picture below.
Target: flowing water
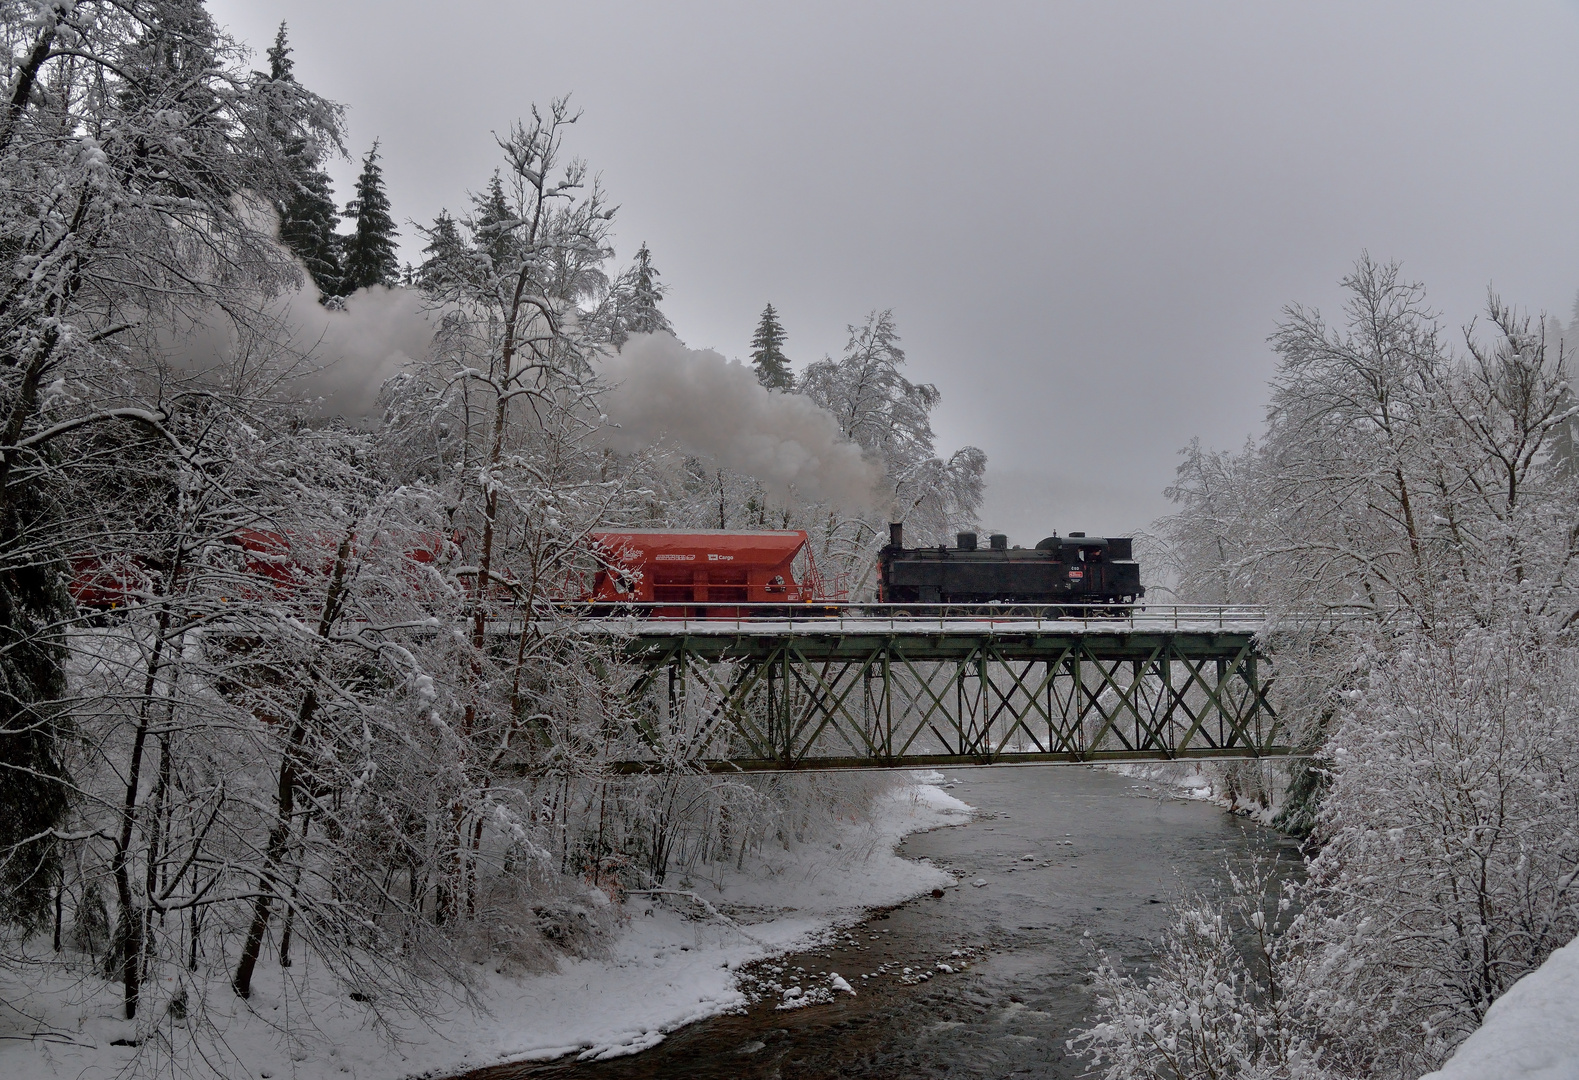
(1060, 852)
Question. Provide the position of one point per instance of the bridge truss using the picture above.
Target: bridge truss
(846, 695)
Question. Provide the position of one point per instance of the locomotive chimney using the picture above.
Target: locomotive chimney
(998, 542)
(966, 541)
(896, 534)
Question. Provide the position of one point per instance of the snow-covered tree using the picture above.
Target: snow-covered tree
(1408, 518)
(767, 352)
(1450, 865)
(634, 298)
(307, 212)
(369, 252)
(889, 417)
(443, 248)
(502, 419)
(128, 136)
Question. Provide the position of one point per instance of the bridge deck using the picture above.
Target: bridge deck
(920, 618)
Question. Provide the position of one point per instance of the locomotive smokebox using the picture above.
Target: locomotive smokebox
(896, 534)
(998, 542)
(966, 541)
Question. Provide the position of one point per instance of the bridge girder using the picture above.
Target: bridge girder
(748, 701)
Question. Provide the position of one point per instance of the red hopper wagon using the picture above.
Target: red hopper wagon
(706, 573)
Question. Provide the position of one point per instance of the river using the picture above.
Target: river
(1060, 853)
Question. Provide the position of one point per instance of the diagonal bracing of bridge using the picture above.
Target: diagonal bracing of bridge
(875, 693)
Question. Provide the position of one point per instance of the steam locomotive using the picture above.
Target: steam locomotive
(1076, 570)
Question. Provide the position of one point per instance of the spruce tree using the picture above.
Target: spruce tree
(644, 316)
(637, 294)
(370, 249)
(493, 225)
(767, 352)
(443, 253)
(307, 210)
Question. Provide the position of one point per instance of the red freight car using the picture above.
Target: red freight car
(270, 565)
(710, 571)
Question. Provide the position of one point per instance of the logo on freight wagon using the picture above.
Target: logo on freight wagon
(674, 558)
(719, 558)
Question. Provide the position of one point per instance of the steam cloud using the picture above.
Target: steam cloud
(716, 409)
(350, 349)
(357, 349)
(706, 405)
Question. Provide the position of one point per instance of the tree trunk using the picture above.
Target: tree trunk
(126, 953)
(285, 792)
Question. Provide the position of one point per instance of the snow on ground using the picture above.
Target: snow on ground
(1530, 1033)
(1188, 780)
(670, 964)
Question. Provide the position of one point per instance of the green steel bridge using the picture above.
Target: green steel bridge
(876, 686)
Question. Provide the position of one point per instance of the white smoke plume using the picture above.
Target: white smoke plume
(337, 358)
(347, 350)
(716, 409)
(356, 349)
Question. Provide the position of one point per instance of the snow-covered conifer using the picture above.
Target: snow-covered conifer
(307, 212)
(634, 298)
(767, 352)
(369, 251)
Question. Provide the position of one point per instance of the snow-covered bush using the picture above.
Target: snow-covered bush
(1450, 865)
(1223, 1000)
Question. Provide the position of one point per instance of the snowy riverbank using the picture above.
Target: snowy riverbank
(1530, 1033)
(669, 963)
(1189, 780)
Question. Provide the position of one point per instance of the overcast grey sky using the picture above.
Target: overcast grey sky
(1086, 217)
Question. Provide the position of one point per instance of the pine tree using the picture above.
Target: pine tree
(370, 249)
(767, 352)
(307, 211)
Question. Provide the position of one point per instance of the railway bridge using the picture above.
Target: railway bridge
(864, 686)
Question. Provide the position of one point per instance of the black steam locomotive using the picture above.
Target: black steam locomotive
(1075, 570)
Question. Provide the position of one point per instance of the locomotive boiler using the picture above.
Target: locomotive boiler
(1061, 570)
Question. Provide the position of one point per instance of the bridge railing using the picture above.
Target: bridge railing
(703, 618)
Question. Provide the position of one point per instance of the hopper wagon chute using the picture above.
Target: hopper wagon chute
(703, 573)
